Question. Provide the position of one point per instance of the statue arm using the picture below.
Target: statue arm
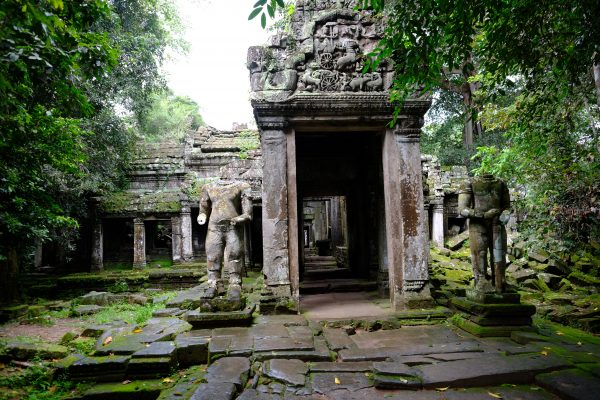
(465, 200)
(246, 200)
(205, 205)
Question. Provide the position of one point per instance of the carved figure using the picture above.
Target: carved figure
(227, 205)
(357, 83)
(350, 47)
(485, 201)
(311, 82)
(375, 83)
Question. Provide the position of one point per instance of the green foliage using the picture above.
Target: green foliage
(264, 7)
(246, 141)
(169, 116)
(118, 287)
(130, 313)
(34, 383)
(533, 87)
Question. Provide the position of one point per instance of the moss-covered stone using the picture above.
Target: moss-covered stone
(487, 331)
(136, 390)
(19, 350)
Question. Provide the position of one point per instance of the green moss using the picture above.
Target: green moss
(116, 202)
(130, 313)
(246, 141)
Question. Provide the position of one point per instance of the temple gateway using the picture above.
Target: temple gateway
(326, 136)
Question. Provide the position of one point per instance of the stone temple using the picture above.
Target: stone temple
(338, 192)
(325, 132)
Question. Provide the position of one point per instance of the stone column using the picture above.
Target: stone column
(176, 238)
(97, 261)
(437, 222)
(187, 252)
(139, 243)
(407, 236)
(276, 263)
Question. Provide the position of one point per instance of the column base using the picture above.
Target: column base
(408, 300)
(495, 315)
(278, 299)
(139, 265)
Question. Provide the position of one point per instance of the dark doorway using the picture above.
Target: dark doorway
(341, 171)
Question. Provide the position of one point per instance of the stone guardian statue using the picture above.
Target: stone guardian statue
(228, 206)
(485, 201)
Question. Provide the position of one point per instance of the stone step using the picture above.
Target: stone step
(337, 285)
(326, 274)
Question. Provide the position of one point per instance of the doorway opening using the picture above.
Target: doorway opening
(341, 224)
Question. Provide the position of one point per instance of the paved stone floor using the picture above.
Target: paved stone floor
(343, 305)
(292, 357)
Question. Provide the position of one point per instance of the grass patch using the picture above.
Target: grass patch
(130, 313)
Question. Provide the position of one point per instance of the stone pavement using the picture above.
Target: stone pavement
(291, 357)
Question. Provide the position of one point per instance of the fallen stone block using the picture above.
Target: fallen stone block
(233, 370)
(153, 367)
(138, 390)
(157, 349)
(215, 391)
(489, 371)
(22, 351)
(86, 310)
(290, 372)
(191, 350)
(96, 369)
(570, 384)
(327, 382)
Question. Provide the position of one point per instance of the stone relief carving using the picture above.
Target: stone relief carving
(325, 54)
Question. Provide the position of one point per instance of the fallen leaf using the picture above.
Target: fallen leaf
(147, 344)
(579, 343)
(137, 330)
(548, 348)
(442, 389)
(107, 341)
(544, 353)
(125, 382)
(167, 380)
(337, 380)
(52, 389)
(559, 333)
(496, 395)
(403, 380)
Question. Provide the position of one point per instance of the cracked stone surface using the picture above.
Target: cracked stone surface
(291, 357)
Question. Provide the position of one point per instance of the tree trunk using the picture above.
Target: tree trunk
(597, 81)
(9, 275)
(472, 127)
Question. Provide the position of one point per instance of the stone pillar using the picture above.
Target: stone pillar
(437, 222)
(39, 253)
(276, 263)
(176, 238)
(187, 252)
(139, 243)
(97, 261)
(407, 236)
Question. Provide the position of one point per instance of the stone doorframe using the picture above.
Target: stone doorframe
(405, 217)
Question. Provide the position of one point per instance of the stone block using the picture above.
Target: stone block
(489, 331)
(215, 391)
(488, 371)
(540, 256)
(494, 310)
(138, 390)
(97, 369)
(18, 350)
(492, 297)
(330, 366)
(191, 350)
(327, 382)
(86, 310)
(200, 319)
(571, 384)
(290, 372)
(156, 349)
(150, 367)
(185, 386)
(457, 241)
(234, 370)
(167, 312)
(527, 337)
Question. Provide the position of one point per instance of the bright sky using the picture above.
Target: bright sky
(214, 72)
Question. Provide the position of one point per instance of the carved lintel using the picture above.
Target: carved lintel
(138, 221)
(267, 124)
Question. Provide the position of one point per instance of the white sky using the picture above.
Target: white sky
(214, 72)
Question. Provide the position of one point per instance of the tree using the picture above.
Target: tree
(74, 76)
(169, 116)
(48, 49)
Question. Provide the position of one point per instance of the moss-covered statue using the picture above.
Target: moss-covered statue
(227, 206)
(485, 201)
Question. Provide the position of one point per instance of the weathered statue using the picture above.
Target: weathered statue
(485, 201)
(227, 205)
